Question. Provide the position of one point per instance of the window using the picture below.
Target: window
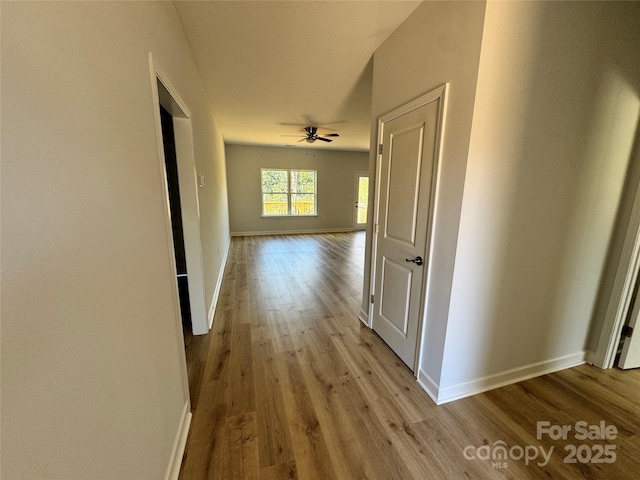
(288, 192)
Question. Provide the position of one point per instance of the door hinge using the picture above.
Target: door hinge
(627, 331)
(380, 149)
(372, 298)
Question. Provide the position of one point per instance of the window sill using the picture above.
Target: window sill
(288, 216)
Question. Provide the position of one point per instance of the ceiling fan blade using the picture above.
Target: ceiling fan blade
(304, 136)
(324, 139)
(331, 135)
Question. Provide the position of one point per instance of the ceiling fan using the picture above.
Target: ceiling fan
(312, 135)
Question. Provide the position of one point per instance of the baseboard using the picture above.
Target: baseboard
(216, 292)
(515, 375)
(428, 385)
(292, 232)
(179, 443)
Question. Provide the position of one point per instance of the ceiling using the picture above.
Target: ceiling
(273, 67)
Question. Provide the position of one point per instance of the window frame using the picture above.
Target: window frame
(289, 193)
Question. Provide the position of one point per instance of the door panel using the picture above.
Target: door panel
(403, 184)
(394, 300)
(407, 175)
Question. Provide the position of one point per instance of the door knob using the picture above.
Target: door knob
(418, 260)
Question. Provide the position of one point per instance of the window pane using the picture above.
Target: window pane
(362, 215)
(303, 204)
(363, 190)
(274, 204)
(363, 194)
(275, 181)
(303, 181)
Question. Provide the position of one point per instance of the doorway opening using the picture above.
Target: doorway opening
(173, 189)
(180, 180)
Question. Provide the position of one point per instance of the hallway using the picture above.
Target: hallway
(290, 384)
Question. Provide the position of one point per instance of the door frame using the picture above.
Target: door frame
(165, 94)
(356, 189)
(621, 292)
(629, 356)
(439, 93)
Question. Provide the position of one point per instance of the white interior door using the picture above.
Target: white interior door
(630, 356)
(406, 177)
(361, 200)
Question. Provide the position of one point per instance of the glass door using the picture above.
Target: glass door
(362, 200)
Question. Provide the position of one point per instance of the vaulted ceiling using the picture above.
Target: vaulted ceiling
(273, 67)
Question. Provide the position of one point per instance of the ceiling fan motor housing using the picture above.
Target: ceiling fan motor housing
(312, 135)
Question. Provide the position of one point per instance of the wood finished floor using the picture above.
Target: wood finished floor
(289, 385)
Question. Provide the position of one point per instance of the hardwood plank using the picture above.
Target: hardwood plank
(283, 471)
(243, 462)
(241, 379)
(312, 456)
(220, 347)
(371, 433)
(196, 351)
(274, 442)
(308, 336)
(345, 450)
(371, 384)
(206, 441)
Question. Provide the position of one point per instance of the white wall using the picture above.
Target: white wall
(209, 153)
(554, 121)
(438, 43)
(335, 183)
(93, 374)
